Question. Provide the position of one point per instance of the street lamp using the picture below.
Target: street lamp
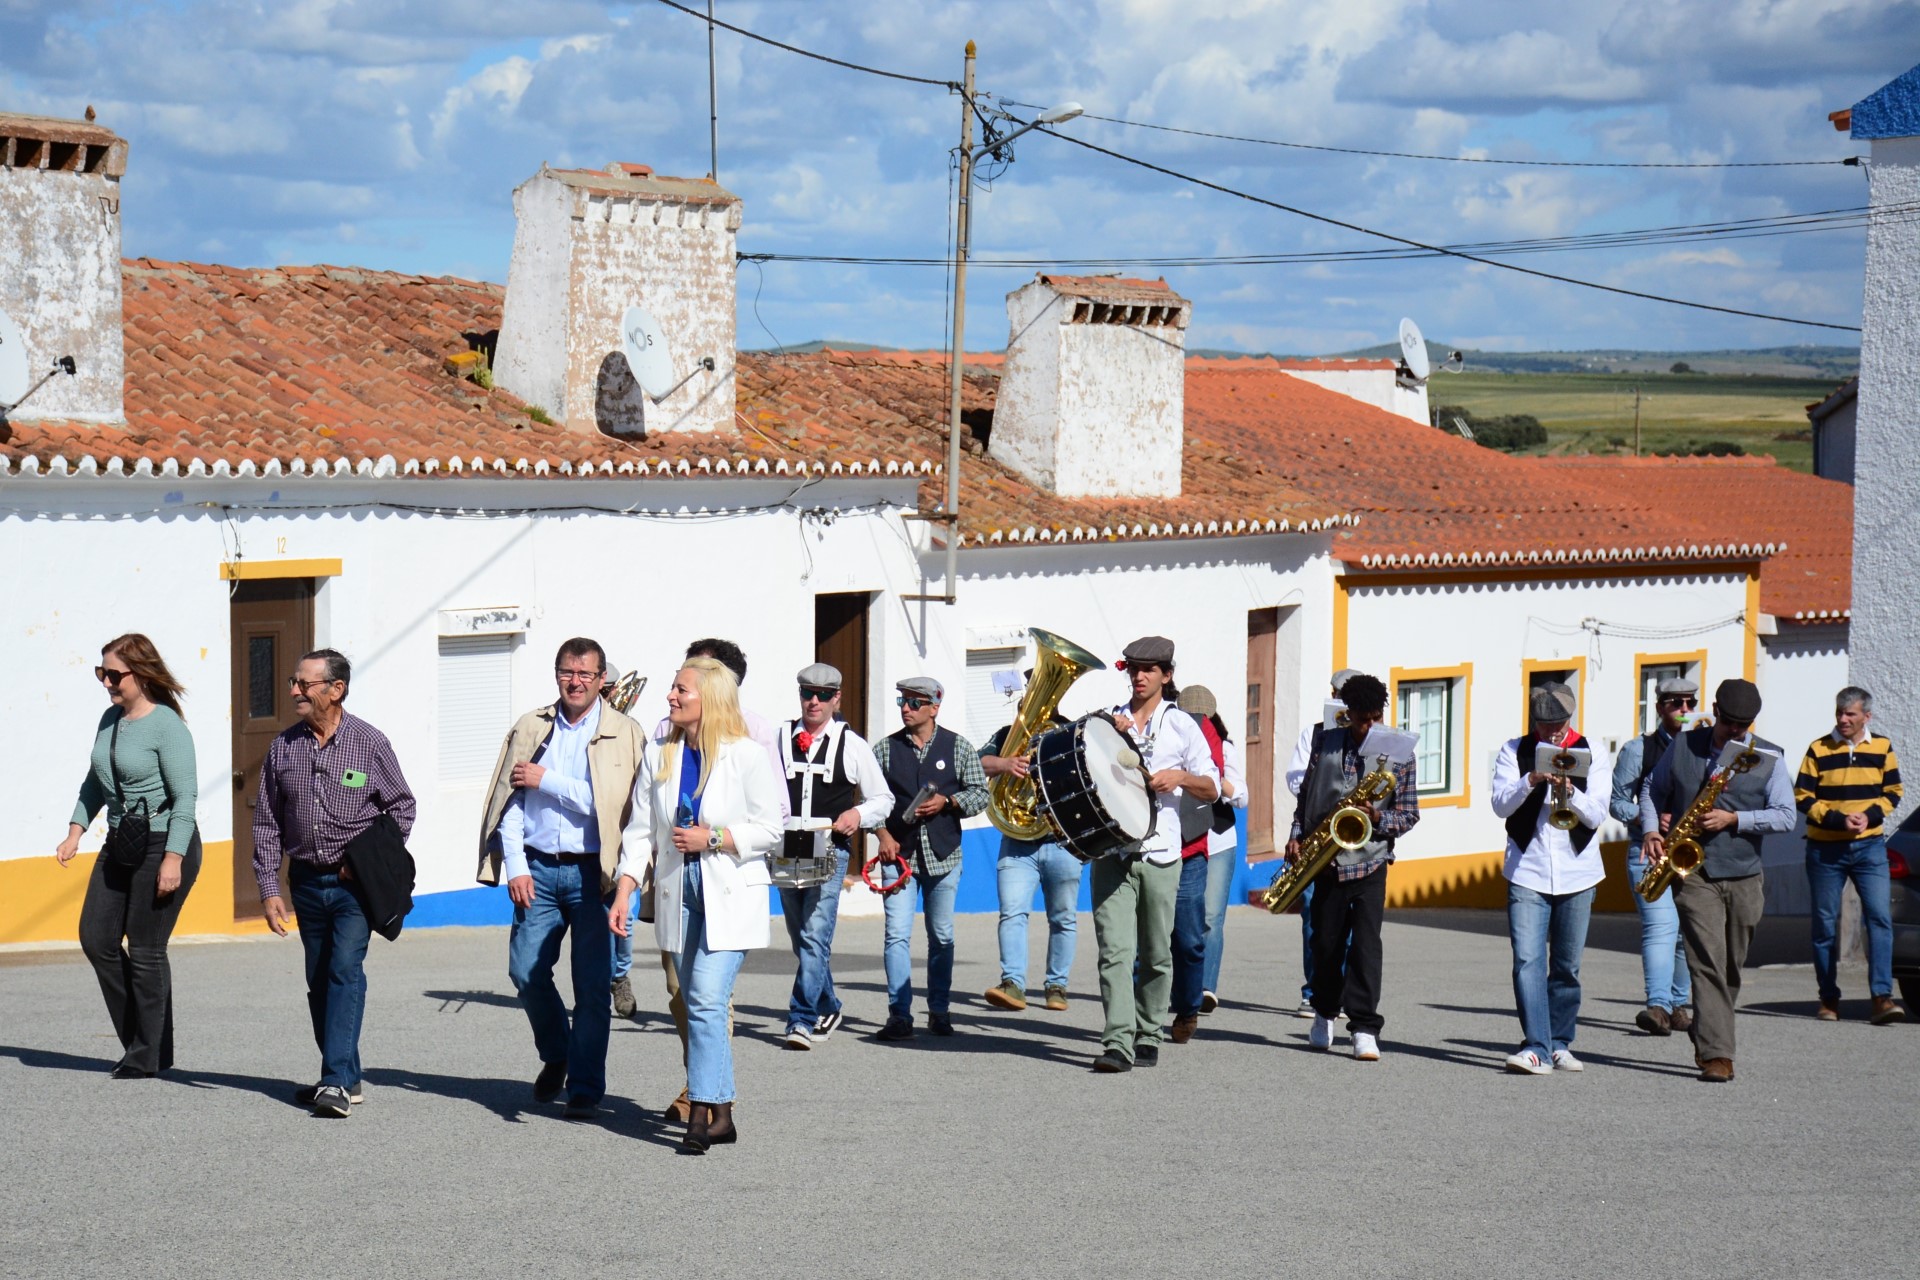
(963, 242)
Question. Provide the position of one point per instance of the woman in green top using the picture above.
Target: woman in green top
(153, 755)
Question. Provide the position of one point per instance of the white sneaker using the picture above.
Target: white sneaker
(799, 1037)
(1321, 1036)
(1527, 1063)
(1365, 1047)
(1305, 1010)
(1563, 1060)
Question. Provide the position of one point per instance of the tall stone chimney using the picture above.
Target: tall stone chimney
(60, 262)
(1092, 400)
(589, 244)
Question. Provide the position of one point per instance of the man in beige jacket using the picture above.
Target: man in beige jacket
(561, 792)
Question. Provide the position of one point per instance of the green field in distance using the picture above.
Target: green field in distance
(1593, 412)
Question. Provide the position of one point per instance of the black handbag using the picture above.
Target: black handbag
(128, 841)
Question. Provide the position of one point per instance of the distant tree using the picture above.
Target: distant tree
(1508, 432)
(1681, 366)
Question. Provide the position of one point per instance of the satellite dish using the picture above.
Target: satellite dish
(645, 347)
(1413, 353)
(13, 363)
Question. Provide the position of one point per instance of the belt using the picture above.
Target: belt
(565, 859)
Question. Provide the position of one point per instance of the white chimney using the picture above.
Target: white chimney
(587, 246)
(60, 262)
(1092, 400)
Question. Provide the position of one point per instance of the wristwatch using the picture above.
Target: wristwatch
(714, 836)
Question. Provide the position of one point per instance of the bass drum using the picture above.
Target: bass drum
(1093, 788)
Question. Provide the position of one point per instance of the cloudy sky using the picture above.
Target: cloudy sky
(390, 134)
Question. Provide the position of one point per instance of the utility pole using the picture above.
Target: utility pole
(713, 103)
(1636, 422)
(963, 234)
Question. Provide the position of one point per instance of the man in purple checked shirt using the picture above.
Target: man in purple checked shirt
(325, 781)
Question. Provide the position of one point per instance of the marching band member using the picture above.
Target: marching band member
(1721, 902)
(1551, 873)
(1190, 903)
(1026, 865)
(924, 758)
(1663, 957)
(1133, 897)
(826, 766)
(1223, 841)
(1350, 896)
(705, 815)
(1303, 753)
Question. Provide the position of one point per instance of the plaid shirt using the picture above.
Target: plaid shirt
(1397, 816)
(307, 808)
(969, 800)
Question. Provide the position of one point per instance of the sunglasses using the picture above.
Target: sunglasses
(809, 693)
(913, 703)
(1688, 703)
(112, 677)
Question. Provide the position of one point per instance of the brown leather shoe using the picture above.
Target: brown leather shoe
(680, 1109)
(1716, 1070)
(1183, 1028)
(1885, 1009)
(1682, 1019)
(1654, 1020)
(1829, 1011)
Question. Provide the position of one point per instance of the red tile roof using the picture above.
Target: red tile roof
(1752, 498)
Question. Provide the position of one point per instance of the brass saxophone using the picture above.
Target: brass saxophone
(1346, 828)
(1684, 850)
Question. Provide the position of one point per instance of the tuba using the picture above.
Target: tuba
(1345, 829)
(1013, 802)
(626, 691)
(1685, 851)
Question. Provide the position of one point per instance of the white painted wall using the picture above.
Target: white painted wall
(1884, 653)
(1801, 667)
(60, 282)
(1495, 626)
(530, 359)
(1377, 387)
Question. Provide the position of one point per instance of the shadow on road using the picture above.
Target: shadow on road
(51, 1059)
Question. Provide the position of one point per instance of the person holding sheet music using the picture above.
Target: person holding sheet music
(1551, 870)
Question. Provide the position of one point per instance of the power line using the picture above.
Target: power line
(808, 53)
(1416, 155)
(1433, 248)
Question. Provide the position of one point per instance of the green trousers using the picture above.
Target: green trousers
(1133, 921)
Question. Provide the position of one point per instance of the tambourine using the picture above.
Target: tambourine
(879, 861)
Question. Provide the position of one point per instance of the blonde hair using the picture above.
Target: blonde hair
(720, 718)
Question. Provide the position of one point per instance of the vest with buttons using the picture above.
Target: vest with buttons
(906, 775)
(1731, 854)
(1525, 821)
(832, 792)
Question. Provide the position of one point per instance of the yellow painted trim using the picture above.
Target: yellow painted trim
(1339, 623)
(1576, 665)
(1569, 572)
(1474, 880)
(248, 570)
(1641, 661)
(1463, 798)
(42, 898)
(1750, 657)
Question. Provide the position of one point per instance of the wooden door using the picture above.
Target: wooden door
(270, 626)
(840, 640)
(1257, 742)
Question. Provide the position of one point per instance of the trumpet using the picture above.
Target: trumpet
(1563, 818)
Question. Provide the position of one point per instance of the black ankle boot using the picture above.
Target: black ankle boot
(696, 1138)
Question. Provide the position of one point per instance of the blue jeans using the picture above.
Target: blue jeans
(1220, 869)
(706, 983)
(811, 915)
(334, 933)
(1306, 944)
(1027, 866)
(623, 942)
(938, 892)
(1547, 990)
(1663, 956)
(1830, 864)
(566, 895)
(1190, 936)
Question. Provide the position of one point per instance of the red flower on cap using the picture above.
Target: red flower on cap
(1120, 665)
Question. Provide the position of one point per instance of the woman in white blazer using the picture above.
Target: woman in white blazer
(706, 814)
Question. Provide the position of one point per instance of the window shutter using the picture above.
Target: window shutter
(476, 705)
(987, 708)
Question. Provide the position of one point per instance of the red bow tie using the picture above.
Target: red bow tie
(803, 740)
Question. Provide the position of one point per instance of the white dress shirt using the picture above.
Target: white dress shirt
(1226, 841)
(557, 816)
(1172, 742)
(876, 797)
(1302, 756)
(1549, 864)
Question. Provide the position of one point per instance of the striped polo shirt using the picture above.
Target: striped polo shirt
(1839, 777)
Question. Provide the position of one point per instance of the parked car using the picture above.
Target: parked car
(1903, 866)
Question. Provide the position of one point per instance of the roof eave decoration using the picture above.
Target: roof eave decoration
(386, 467)
(1579, 555)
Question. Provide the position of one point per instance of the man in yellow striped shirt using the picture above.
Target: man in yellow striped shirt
(1849, 785)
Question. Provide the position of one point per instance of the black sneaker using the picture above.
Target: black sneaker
(331, 1100)
(581, 1109)
(1146, 1055)
(896, 1029)
(305, 1096)
(940, 1024)
(828, 1025)
(551, 1080)
(1112, 1062)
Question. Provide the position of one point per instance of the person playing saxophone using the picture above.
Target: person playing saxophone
(1720, 903)
(1350, 896)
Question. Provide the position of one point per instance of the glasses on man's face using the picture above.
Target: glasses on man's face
(112, 677)
(298, 685)
(912, 703)
(564, 676)
(1685, 703)
(810, 694)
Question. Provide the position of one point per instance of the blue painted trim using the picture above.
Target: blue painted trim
(482, 904)
(1891, 111)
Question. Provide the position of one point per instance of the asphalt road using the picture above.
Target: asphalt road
(995, 1153)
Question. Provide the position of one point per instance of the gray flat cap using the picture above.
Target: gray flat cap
(922, 686)
(1341, 677)
(1676, 685)
(1155, 649)
(820, 676)
(1199, 699)
(1552, 702)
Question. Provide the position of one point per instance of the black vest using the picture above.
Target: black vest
(906, 775)
(1525, 821)
(1731, 854)
(833, 794)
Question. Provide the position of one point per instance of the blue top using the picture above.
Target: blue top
(687, 812)
(1891, 111)
(557, 816)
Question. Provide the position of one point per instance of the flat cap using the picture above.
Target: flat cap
(1154, 649)
(1199, 699)
(922, 686)
(1738, 700)
(1553, 701)
(1341, 677)
(1679, 686)
(820, 676)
